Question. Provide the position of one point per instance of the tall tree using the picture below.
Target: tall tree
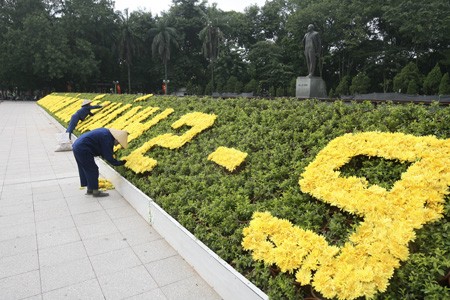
(127, 44)
(212, 36)
(164, 39)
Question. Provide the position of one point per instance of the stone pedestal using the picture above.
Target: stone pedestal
(310, 87)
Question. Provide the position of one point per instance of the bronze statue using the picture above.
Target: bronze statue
(312, 44)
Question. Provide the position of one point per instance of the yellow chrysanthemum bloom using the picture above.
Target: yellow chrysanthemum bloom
(229, 158)
(364, 265)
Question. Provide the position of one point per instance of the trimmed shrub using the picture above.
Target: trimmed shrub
(282, 137)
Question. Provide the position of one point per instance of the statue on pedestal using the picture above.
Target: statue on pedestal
(312, 45)
(311, 86)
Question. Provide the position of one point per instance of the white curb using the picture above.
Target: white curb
(223, 278)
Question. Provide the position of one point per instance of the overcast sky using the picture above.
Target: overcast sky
(157, 6)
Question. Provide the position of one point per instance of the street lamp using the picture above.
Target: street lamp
(166, 83)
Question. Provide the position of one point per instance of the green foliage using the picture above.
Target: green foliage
(238, 87)
(251, 86)
(209, 88)
(41, 41)
(291, 89)
(280, 92)
(343, 88)
(376, 170)
(282, 136)
(408, 79)
(231, 84)
(360, 84)
(331, 93)
(444, 86)
(432, 81)
(412, 88)
(272, 91)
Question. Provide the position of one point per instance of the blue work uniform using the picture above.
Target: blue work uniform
(98, 142)
(80, 115)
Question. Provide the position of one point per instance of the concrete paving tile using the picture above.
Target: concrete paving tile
(170, 270)
(81, 208)
(113, 202)
(138, 236)
(37, 297)
(46, 186)
(53, 195)
(16, 219)
(18, 170)
(73, 191)
(54, 204)
(15, 179)
(20, 286)
(17, 231)
(51, 213)
(114, 261)
(66, 274)
(156, 294)
(192, 288)
(56, 238)
(16, 190)
(91, 218)
(97, 229)
(41, 166)
(6, 201)
(80, 198)
(87, 290)
(127, 283)
(105, 243)
(154, 251)
(18, 264)
(40, 176)
(56, 224)
(122, 212)
(18, 246)
(17, 208)
(63, 253)
(133, 222)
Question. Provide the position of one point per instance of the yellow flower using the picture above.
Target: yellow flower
(364, 265)
(229, 158)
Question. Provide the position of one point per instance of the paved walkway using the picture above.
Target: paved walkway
(57, 243)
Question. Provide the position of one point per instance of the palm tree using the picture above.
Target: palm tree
(165, 37)
(127, 47)
(211, 35)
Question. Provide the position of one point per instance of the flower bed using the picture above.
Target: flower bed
(212, 164)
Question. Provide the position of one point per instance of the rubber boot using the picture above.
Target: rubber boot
(97, 193)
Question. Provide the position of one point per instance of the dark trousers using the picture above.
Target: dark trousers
(87, 168)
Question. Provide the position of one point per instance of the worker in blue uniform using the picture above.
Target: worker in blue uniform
(80, 115)
(98, 142)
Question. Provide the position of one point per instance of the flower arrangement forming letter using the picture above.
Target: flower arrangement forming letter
(364, 265)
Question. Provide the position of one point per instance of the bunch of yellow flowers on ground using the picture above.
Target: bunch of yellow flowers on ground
(105, 184)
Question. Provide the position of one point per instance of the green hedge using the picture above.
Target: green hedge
(281, 138)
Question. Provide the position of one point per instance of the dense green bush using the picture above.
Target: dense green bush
(281, 137)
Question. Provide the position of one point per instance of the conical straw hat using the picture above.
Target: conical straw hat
(121, 136)
(86, 102)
